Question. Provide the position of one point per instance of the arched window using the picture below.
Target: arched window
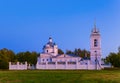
(95, 43)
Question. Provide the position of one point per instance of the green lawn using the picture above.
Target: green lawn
(60, 76)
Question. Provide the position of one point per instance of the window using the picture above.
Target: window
(43, 59)
(50, 59)
(47, 51)
(95, 43)
(95, 53)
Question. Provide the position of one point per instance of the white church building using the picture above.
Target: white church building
(50, 59)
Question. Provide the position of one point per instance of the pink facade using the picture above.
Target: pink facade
(49, 55)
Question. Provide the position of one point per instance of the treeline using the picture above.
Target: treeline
(113, 58)
(78, 52)
(7, 56)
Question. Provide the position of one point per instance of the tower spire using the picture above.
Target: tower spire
(95, 30)
(95, 24)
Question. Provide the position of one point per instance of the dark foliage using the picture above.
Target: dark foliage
(82, 53)
(7, 56)
(114, 58)
(60, 51)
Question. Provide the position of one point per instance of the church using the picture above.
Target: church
(50, 59)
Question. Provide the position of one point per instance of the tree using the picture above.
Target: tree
(114, 59)
(82, 53)
(6, 56)
(3, 62)
(119, 49)
(30, 57)
(33, 58)
(60, 51)
(21, 57)
(69, 52)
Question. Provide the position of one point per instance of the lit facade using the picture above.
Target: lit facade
(50, 59)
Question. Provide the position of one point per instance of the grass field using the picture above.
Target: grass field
(60, 76)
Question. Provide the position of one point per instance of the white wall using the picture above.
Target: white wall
(68, 66)
(17, 66)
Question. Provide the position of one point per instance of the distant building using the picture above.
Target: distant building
(50, 59)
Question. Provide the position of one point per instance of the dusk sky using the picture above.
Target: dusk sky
(26, 25)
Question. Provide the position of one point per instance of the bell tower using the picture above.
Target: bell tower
(95, 47)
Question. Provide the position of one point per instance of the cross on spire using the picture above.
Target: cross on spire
(95, 30)
(95, 24)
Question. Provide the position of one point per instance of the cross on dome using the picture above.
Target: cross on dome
(50, 39)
